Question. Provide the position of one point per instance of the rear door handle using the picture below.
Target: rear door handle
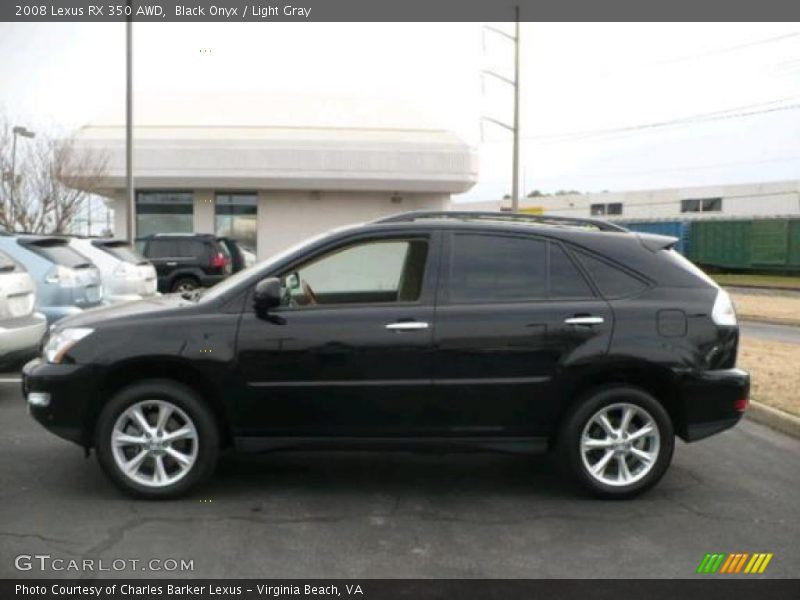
(172, 263)
(407, 326)
(584, 320)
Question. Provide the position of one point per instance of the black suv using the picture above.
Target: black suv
(185, 262)
(487, 330)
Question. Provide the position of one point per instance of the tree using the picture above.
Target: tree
(53, 179)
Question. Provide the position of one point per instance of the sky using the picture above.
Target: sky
(594, 96)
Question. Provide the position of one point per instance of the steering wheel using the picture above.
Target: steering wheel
(311, 297)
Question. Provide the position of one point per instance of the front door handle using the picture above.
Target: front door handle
(172, 263)
(407, 326)
(584, 321)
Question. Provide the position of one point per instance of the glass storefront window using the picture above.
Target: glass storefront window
(236, 217)
(164, 212)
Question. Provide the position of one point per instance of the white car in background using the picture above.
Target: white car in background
(21, 328)
(126, 274)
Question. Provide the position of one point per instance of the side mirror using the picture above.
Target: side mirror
(267, 294)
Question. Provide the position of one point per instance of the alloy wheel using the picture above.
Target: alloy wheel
(154, 443)
(620, 444)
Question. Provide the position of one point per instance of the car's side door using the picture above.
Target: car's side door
(513, 312)
(348, 353)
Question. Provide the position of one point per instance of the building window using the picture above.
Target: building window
(599, 210)
(164, 212)
(702, 205)
(236, 215)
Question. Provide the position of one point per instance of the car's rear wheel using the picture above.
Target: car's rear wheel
(617, 442)
(157, 439)
(185, 284)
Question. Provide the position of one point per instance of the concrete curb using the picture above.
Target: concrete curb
(774, 418)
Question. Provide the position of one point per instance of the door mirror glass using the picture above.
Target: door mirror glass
(267, 294)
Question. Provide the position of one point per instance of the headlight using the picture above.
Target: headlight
(58, 343)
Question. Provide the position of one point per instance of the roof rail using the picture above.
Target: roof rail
(466, 215)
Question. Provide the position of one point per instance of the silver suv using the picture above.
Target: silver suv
(21, 329)
(66, 282)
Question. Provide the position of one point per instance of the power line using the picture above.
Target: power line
(719, 115)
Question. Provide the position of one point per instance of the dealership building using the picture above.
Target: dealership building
(271, 186)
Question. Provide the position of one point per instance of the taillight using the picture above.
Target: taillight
(741, 405)
(219, 260)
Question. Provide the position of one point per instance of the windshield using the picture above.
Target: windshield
(231, 282)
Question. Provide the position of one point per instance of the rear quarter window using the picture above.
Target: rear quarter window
(611, 281)
(162, 249)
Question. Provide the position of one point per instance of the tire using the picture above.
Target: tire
(585, 442)
(184, 284)
(191, 425)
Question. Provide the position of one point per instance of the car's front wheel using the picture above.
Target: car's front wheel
(617, 442)
(156, 439)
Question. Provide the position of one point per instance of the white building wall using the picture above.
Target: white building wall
(285, 218)
(751, 200)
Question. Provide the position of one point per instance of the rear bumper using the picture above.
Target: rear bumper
(19, 339)
(708, 402)
(70, 389)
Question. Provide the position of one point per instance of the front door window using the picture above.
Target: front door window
(373, 272)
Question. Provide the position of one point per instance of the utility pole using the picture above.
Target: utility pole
(130, 200)
(515, 84)
(26, 133)
(515, 159)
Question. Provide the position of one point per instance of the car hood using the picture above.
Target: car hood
(146, 308)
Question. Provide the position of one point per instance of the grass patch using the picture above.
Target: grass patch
(774, 372)
(778, 309)
(792, 281)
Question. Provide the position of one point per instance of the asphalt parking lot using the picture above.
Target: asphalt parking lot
(372, 515)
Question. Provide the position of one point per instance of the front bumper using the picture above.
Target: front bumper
(708, 400)
(20, 338)
(68, 413)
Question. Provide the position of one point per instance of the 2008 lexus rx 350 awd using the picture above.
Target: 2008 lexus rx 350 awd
(487, 330)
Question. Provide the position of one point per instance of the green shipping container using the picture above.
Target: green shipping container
(724, 244)
(747, 245)
(794, 244)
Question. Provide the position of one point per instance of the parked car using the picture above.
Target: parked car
(238, 255)
(438, 330)
(21, 327)
(185, 262)
(126, 274)
(66, 282)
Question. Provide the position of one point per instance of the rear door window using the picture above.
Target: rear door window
(491, 268)
(612, 281)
